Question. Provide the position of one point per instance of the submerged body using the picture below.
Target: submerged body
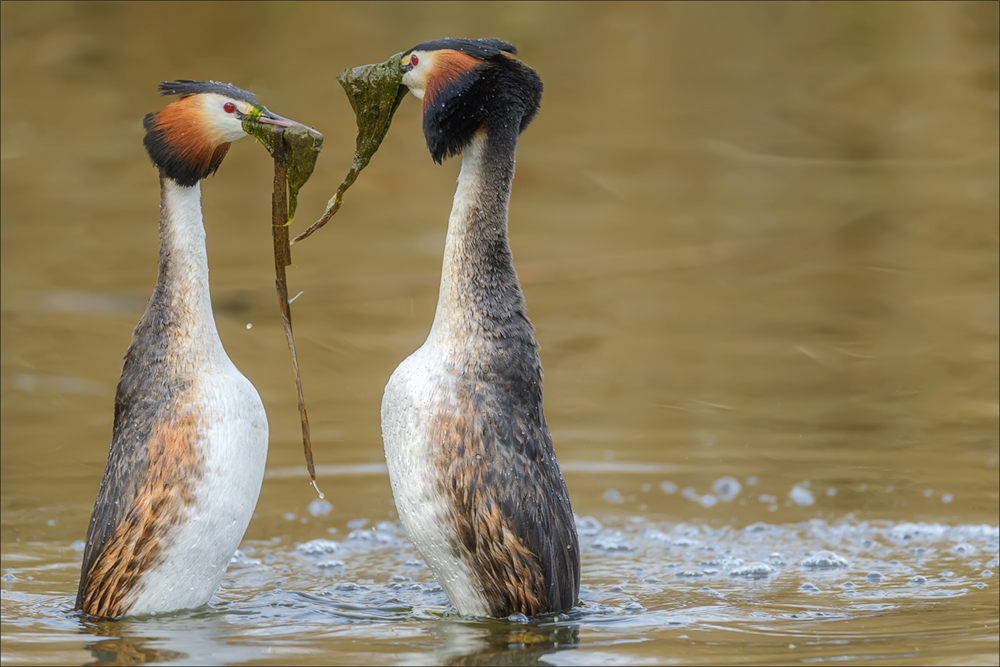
(474, 475)
(190, 432)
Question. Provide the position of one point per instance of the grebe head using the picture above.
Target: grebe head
(468, 85)
(189, 139)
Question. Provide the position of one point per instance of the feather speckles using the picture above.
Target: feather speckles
(109, 588)
(508, 572)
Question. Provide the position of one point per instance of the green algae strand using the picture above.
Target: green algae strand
(375, 92)
(301, 146)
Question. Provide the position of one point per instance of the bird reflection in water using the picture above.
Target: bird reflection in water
(487, 642)
(184, 637)
(114, 649)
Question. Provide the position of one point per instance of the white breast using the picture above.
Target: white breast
(235, 450)
(407, 409)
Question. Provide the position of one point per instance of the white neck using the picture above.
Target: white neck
(182, 283)
(464, 212)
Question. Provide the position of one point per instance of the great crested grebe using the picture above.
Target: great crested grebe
(475, 479)
(190, 433)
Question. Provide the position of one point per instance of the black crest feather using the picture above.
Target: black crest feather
(185, 87)
(480, 48)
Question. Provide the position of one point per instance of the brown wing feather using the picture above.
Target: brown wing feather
(108, 587)
(511, 506)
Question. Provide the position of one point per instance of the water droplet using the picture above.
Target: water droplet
(801, 496)
(320, 507)
(726, 488)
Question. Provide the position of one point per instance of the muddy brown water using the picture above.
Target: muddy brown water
(760, 247)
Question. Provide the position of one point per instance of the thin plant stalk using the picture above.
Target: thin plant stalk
(283, 258)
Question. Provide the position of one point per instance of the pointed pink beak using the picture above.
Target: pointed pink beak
(275, 119)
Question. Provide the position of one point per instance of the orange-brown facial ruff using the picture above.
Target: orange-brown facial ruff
(180, 141)
(473, 84)
(452, 72)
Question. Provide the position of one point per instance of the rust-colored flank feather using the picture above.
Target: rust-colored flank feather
(508, 572)
(449, 66)
(134, 548)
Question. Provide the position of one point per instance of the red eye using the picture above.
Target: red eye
(229, 107)
(414, 60)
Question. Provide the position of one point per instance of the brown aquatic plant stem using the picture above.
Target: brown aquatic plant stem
(283, 258)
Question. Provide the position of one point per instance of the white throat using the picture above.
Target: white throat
(184, 263)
